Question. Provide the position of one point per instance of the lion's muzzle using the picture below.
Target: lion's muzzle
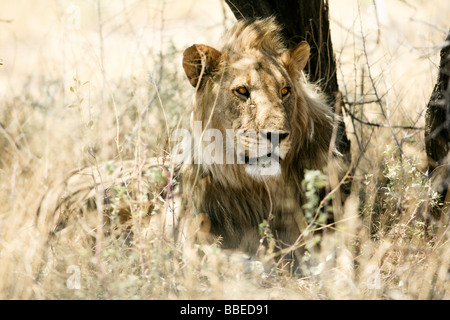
(262, 152)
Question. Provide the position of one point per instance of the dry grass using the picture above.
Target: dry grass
(109, 86)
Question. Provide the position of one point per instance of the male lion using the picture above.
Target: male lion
(254, 88)
(254, 84)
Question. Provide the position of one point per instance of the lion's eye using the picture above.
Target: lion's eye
(243, 91)
(285, 91)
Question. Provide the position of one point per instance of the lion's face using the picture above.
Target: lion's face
(249, 97)
(258, 104)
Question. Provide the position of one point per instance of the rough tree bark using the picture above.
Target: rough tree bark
(437, 127)
(303, 20)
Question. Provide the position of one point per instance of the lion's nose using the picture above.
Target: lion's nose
(274, 136)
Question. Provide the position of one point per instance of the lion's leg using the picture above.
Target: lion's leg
(295, 243)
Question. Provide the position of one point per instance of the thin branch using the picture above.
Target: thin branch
(429, 25)
(386, 116)
(380, 125)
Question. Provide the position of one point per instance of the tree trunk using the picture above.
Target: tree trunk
(437, 127)
(303, 20)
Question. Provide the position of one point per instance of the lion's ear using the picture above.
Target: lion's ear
(296, 58)
(200, 61)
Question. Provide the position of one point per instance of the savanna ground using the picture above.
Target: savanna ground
(88, 82)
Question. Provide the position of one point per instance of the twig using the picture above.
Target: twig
(429, 24)
(386, 116)
(380, 125)
(102, 54)
(329, 194)
(99, 199)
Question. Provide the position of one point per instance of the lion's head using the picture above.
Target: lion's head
(253, 106)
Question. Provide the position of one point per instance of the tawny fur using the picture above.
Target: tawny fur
(236, 203)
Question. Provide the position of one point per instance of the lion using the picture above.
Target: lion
(250, 187)
(254, 83)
